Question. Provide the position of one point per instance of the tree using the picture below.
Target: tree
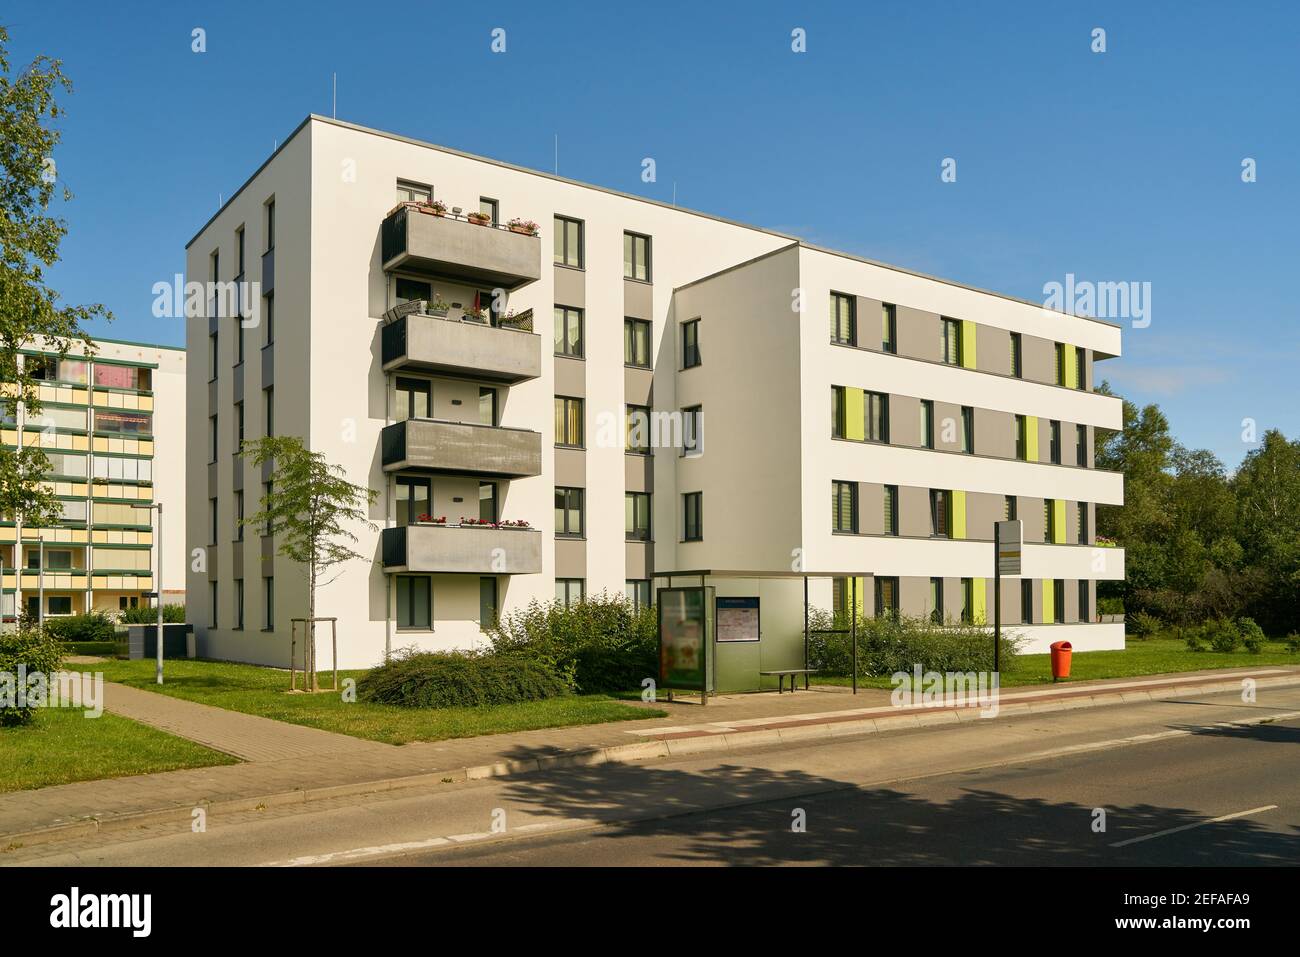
(30, 311)
(1267, 490)
(311, 508)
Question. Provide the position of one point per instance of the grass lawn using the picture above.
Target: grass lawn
(62, 746)
(1152, 656)
(261, 691)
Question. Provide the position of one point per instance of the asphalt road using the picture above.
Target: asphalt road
(1016, 790)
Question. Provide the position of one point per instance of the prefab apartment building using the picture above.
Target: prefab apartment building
(633, 390)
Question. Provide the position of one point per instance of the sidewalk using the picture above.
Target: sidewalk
(290, 764)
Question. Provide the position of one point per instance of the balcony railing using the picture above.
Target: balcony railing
(415, 239)
(467, 549)
(440, 339)
(464, 447)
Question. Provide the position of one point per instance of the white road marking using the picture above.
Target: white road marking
(1188, 827)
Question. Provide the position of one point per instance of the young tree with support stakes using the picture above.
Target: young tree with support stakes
(310, 508)
(31, 315)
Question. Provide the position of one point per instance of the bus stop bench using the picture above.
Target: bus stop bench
(793, 673)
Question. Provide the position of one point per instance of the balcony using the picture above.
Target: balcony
(467, 549)
(462, 447)
(454, 248)
(416, 338)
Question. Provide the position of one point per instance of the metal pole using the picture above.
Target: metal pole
(997, 607)
(805, 632)
(157, 587)
(853, 612)
(40, 578)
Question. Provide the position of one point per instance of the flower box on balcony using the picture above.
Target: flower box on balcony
(479, 219)
(525, 226)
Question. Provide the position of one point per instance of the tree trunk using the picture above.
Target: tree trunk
(311, 623)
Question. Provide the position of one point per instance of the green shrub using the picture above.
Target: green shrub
(1194, 640)
(1252, 636)
(39, 651)
(889, 645)
(1293, 643)
(599, 644)
(1141, 624)
(1223, 636)
(92, 626)
(1110, 606)
(457, 679)
(144, 615)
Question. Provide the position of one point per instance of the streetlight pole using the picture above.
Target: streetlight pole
(157, 585)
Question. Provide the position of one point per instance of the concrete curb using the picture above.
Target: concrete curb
(622, 754)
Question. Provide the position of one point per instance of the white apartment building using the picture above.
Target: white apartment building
(109, 423)
(478, 376)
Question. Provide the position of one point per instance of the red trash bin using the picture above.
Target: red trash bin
(1061, 659)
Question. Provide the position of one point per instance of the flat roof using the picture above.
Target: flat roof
(622, 195)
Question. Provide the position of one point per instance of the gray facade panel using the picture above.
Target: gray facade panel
(918, 334)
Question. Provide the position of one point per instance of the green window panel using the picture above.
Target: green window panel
(1049, 600)
(958, 515)
(855, 419)
(968, 344)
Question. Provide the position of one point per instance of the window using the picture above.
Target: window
(568, 242)
(487, 501)
(637, 422)
(844, 319)
(212, 356)
(1080, 368)
(691, 344)
(636, 343)
(568, 332)
(1009, 508)
(239, 515)
(887, 597)
(413, 495)
(877, 409)
(837, 412)
(487, 405)
(411, 290)
(636, 257)
(569, 591)
(1017, 356)
(1022, 438)
(927, 423)
(1049, 520)
(568, 513)
(951, 341)
(1060, 363)
(844, 507)
(693, 430)
(268, 603)
(638, 592)
(491, 209)
(55, 559)
(75, 466)
(267, 489)
(408, 192)
(239, 343)
(968, 600)
(968, 430)
(128, 423)
(270, 224)
(239, 428)
(268, 399)
(413, 400)
(121, 377)
(268, 311)
(487, 603)
(693, 517)
(212, 438)
(891, 510)
(1083, 524)
(1054, 429)
(568, 422)
(1026, 601)
(1085, 602)
(888, 327)
(936, 600)
(636, 506)
(414, 602)
(212, 604)
(239, 604)
(1058, 601)
(940, 508)
(1081, 446)
(212, 521)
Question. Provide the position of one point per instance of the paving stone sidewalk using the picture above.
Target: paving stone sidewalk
(287, 763)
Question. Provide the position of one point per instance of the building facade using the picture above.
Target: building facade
(638, 390)
(106, 423)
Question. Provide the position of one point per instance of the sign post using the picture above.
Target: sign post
(1008, 542)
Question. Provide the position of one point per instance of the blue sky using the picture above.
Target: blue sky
(1115, 166)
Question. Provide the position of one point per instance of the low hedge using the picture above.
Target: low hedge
(459, 679)
(888, 645)
(93, 626)
(144, 615)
